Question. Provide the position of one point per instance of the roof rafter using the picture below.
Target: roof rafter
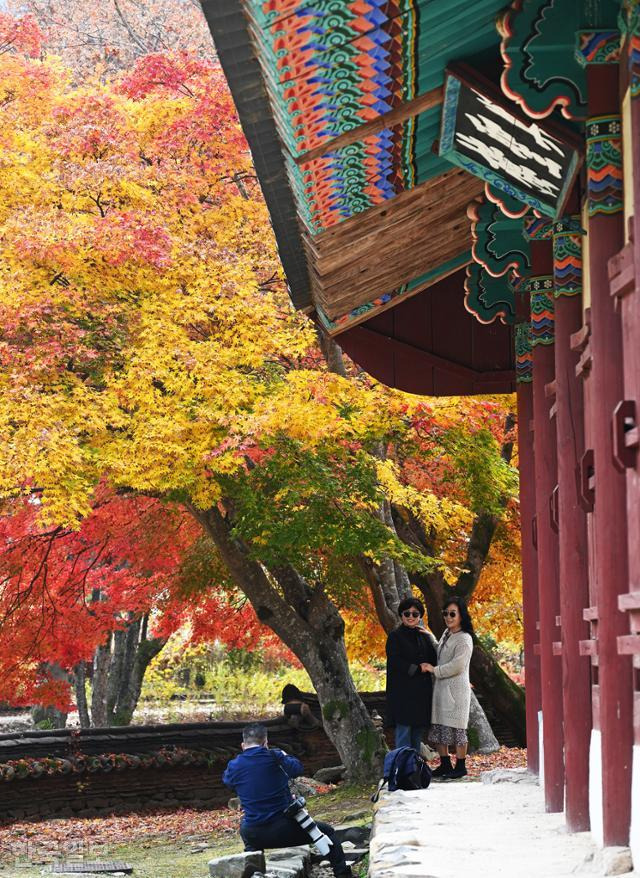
(407, 110)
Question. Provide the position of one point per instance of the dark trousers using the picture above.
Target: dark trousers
(284, 832)
(409, 736)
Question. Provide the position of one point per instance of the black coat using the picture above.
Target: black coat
(409, 690)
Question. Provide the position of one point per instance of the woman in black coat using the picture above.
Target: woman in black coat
(410, 648)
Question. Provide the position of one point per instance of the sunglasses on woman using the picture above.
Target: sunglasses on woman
(450, 613)
(411, 614)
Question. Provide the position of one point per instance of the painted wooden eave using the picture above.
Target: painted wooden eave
(228, 27)
(304, 168)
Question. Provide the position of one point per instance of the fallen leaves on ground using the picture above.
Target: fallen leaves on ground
(49, 837)
(505, 757)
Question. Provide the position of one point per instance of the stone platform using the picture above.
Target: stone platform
(471, 829)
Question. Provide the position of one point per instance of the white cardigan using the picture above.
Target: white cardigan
(452, 690)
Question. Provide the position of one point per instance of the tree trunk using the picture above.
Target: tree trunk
(115, 671)
(307, 621)
(482, 531)
(505, 697)
(387, 618)
(478, 722)
(119, 667)
(80, 687)
(140, 653)
(331, 352)
(433, 588)
(101, 662)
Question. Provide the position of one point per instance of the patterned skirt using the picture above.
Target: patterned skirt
(447, 735)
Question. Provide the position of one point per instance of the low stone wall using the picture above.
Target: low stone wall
(63, 743)
(94, 775)
(118, 792)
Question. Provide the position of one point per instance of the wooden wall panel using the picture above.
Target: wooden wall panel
(431, 345)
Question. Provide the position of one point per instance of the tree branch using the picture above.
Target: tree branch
(385, 615)
(331, 352)
(134, 36)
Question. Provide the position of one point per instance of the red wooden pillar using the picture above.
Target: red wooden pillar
(527, 523)
(581, 345)
(572, 526)
(541, 290)
(611, 567)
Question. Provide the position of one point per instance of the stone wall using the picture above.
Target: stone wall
(116, 792)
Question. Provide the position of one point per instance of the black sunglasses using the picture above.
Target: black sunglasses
(411, 614)
(450, 613)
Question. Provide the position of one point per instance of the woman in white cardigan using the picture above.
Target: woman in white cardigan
(452, 690)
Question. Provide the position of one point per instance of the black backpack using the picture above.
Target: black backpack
(404, 769)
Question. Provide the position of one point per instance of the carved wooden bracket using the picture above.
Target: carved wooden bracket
(588, 647)
(622, 274)
(579, 343)
(629, 644)
(630, 601)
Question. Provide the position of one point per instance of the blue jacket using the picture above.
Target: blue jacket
(260, 777)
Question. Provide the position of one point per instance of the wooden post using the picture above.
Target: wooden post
(541, 290)
(604, 160)
(527, 522)
(573, 553)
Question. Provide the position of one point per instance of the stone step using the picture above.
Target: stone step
(237, 865)
(292, 862)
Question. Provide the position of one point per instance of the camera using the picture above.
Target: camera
(302, 817)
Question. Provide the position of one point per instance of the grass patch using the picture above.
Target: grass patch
(346, 800)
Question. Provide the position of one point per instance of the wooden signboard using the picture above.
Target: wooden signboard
(534, 162)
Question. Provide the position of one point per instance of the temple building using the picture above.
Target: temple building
(455, 191)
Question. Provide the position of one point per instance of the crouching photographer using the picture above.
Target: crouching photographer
(273, 817)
